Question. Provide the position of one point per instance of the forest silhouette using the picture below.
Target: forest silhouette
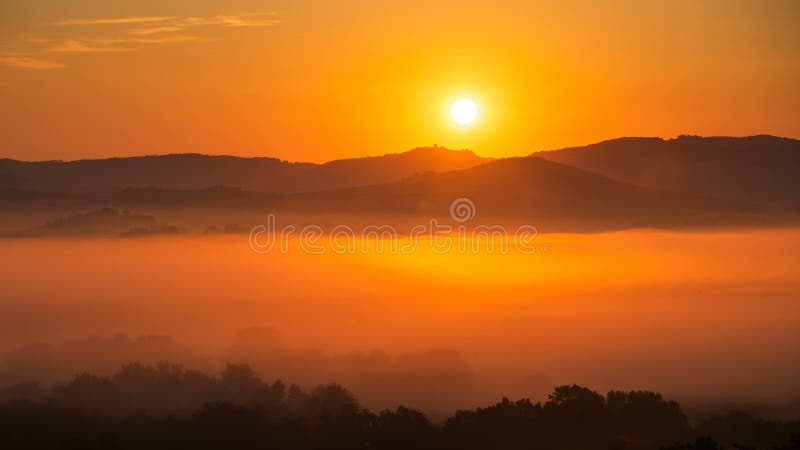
(167, 406)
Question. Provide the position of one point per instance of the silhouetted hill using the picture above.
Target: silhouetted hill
(106, 221)
(150, 197)
(756, 169)
(218, 197)
(178, 171)
(531, 189)
(194, 171)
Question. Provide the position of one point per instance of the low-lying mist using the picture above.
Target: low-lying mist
(705, 318)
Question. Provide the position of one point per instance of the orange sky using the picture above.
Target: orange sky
(318, 80)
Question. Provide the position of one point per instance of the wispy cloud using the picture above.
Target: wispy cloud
(124, 34)
(178, 23)
(115, 20)
(161, 39)
(147, 39)
(76, 46)
(157, 30)
(25, 62)
(263, 19)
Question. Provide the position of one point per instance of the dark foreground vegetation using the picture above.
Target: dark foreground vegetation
(169, 407)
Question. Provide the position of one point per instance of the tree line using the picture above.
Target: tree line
(167, 406)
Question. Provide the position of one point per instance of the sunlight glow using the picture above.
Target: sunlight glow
(463, 111)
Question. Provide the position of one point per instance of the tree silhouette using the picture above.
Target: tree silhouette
(166, 406)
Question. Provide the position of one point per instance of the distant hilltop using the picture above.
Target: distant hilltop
(196, 171)
(754, 169)
(630, 182)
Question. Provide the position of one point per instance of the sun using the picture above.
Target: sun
(463, 111)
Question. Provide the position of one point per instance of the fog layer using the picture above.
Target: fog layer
(700, 317)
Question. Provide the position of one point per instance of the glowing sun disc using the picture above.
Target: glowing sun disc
(463, 111)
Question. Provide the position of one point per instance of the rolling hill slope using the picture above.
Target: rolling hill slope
(756, 169)
(194, 171)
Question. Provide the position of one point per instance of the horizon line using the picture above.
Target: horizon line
(424, 147)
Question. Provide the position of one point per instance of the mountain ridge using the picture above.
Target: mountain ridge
(196, 171)
(759, 169)
(634, 182)
(519, 190)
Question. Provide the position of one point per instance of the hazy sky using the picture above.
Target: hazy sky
(317, 80)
